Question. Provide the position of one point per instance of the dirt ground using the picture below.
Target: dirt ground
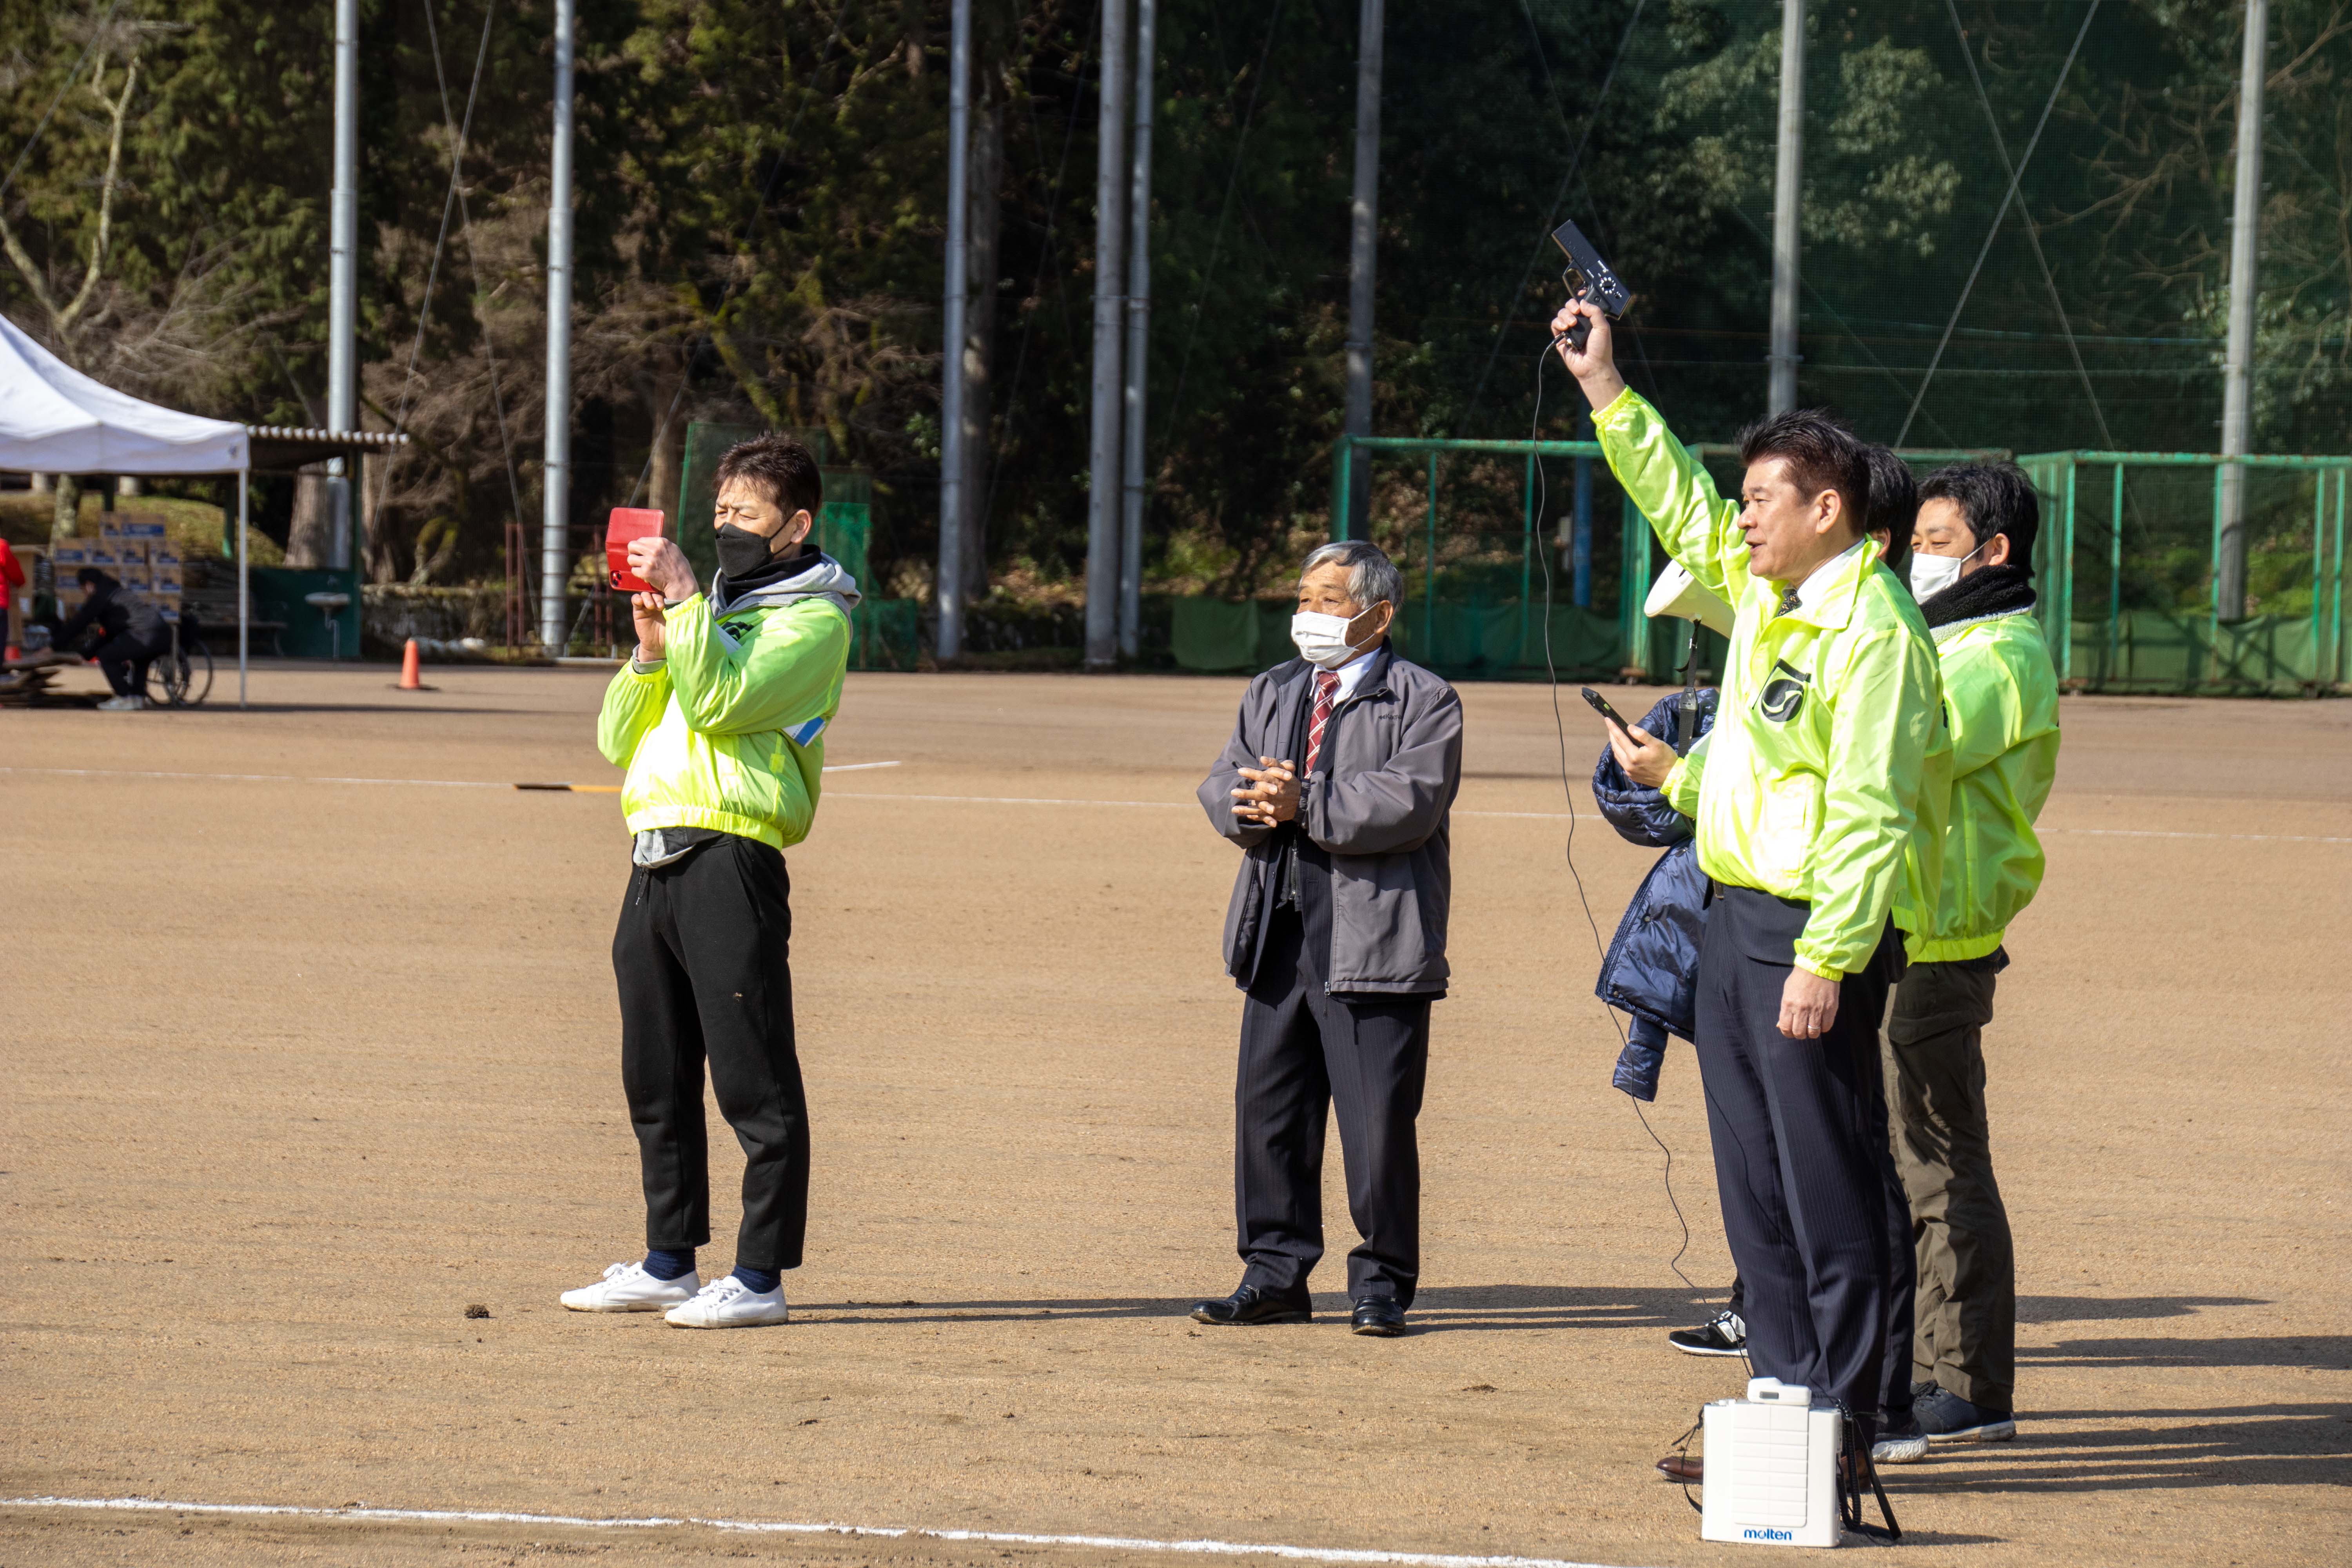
(296, 1072)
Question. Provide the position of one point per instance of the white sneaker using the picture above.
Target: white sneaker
(627, 1287)
(1900, 1449)
(123, 705)
(728, 1303)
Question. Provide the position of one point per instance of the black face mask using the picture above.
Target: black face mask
(741, 553)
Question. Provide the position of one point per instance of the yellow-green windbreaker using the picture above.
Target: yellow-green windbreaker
(729, 730)
(1827, 775)
(2000, 696)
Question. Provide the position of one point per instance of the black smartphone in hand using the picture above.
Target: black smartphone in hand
(1600, 706)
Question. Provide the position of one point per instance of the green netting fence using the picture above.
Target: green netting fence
(2125, 563)
(884, 631)
(2129, 555)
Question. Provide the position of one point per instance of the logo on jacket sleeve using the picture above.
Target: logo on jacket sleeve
(1784, 693)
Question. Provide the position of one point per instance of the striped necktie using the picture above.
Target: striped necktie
(1327, 686)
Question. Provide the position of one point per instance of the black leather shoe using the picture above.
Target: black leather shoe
(1256, 1304)
(1380, 1316)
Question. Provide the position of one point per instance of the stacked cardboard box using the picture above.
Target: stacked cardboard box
(146, 563)
(68, 557)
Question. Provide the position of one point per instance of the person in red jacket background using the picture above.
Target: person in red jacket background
(12, 577)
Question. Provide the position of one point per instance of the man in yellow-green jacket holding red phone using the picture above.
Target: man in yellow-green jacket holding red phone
(720, 719)
(1973, 574)
(1819, 798)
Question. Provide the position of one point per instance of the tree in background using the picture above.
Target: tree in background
(760, 238)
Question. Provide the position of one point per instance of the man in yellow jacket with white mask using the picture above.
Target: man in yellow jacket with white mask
(1820, 799)
(1973, 576)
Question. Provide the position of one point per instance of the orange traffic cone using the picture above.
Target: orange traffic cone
(408, 668)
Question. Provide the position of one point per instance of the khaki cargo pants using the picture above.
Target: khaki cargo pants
(1965, 1317)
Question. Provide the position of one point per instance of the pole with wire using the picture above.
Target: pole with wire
(1139, 340)
(1788, 188)
(2237, 403)
(1103, 507)
(342, 276)
(243, 573)
(554, 517)
(1364, 253)
(953, 499)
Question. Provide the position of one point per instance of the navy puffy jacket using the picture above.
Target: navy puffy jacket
(1651, 969)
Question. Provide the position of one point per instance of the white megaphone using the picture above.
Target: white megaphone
(1677, 593)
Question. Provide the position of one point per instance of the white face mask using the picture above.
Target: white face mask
(1322, 639)
(1931, 574)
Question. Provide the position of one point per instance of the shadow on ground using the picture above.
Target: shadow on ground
(2254, 1445)
(2314, 1353)
(1449, 1307)
(2113, 1308)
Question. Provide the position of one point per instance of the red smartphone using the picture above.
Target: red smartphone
(627, 523)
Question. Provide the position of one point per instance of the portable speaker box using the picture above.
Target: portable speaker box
(1771, 1467)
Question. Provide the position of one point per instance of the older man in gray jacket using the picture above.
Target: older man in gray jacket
(1337, 782)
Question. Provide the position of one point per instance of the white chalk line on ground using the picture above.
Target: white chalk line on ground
(330, 779)
(780, 1527)
(1044, 800)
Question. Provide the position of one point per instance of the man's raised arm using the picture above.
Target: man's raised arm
(1698, 525)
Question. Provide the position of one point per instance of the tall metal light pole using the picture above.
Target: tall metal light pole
(1138, 341)
(1363, 251)
(342, 276)
(1110, 238)
(1788, 188)
(2245, 267)
(949, 592)
(553, 557)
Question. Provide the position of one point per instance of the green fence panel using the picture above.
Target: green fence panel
(277, 596)
(2159, 652)
(1211, 635)
(842, 530)
(885, 634)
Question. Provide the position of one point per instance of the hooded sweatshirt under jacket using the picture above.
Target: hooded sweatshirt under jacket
(1829, 758)
(728, 731)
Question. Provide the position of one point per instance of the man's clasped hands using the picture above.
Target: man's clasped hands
(1272, 795)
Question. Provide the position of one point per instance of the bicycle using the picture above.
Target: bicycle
(181, 676)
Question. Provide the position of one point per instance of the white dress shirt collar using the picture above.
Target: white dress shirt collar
(1353, 673)
(1810, 591)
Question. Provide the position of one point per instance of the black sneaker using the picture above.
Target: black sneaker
(1726, 1334)
(1944, 1417)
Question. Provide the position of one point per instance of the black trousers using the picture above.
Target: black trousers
(701, 955)
(1304, 1053)
(125, 659)
(1802, 1165)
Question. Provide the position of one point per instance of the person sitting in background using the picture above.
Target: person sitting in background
(132, 635)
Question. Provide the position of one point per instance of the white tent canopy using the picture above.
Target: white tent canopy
(56, 420)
